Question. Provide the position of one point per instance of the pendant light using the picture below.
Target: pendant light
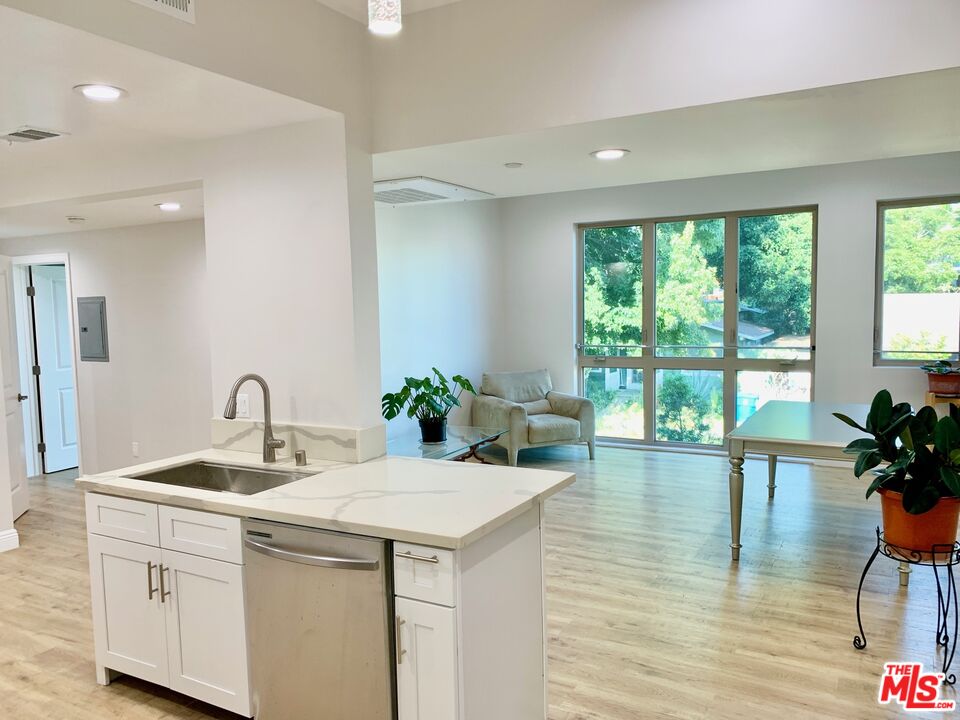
(385, 17)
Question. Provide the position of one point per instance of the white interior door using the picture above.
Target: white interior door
(13, 461)
(55, 356)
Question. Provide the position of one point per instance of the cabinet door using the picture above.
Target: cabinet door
(206, 635)
(128, 622)
(427, 687)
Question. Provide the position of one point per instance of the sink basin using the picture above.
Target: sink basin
(223, 478)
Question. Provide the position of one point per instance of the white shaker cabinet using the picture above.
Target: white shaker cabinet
(206, 641)
(470, 628)
(128, 619)
(172, 618)
(427, 687)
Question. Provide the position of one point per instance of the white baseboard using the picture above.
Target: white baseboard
(9, 540)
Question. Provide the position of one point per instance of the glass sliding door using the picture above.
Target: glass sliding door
(689, 325)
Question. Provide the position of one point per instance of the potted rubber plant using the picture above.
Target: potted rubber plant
(943, 378)
(915, 462)
(430, 400)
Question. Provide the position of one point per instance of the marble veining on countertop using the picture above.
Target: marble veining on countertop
(431, 502)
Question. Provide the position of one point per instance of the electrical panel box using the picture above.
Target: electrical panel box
(92, 322)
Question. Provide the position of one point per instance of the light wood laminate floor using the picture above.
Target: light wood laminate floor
(648, 618)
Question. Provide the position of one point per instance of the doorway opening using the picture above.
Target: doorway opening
(47, 378)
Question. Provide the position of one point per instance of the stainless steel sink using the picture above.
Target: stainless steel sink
(223, 478)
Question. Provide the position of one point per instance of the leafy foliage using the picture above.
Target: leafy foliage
(431, 397)
(919, 452)
(921, 249)
(681, 411)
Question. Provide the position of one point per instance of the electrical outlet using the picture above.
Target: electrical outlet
(243, 405)
(135, 449)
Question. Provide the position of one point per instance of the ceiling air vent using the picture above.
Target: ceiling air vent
(406, 191)
(181, 9)
(28, 134)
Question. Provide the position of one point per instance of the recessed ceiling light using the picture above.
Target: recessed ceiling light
(100, 93)
(513, 165)
(610, 153)
(384, 17)
(76, 219)
(169, 206)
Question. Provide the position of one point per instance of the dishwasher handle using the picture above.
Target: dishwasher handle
(327, 561)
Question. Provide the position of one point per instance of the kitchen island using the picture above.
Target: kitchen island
(175, 595)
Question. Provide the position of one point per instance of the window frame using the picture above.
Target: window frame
(882, 207)
(729, 361)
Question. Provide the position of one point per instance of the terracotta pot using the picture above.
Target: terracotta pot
(937, 526)
(947, 385)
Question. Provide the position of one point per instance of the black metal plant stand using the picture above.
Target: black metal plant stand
(940, 558)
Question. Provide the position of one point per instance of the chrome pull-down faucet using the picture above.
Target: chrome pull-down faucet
(270, 443)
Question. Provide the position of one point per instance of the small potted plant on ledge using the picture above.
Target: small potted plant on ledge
(918, 475)
(430, 400)
(943, 378)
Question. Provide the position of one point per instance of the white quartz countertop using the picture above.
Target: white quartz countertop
(430, 502)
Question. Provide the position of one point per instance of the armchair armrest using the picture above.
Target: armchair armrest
(573, 406)
(491, 411)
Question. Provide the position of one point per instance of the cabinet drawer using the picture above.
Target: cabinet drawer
(425, 573)
(201, 533)
(122, 518)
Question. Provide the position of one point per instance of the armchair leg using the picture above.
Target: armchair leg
(592, 447)
(512, 454)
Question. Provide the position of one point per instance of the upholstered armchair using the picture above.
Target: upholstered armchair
(526, 404)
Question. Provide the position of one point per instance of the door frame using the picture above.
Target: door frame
(20, 264)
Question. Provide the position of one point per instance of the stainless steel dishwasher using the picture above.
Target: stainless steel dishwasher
(319, 624)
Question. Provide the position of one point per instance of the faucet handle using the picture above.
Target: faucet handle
(276, 443)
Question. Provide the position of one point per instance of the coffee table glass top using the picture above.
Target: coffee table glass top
(460, 438)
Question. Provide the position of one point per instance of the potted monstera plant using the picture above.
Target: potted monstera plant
(943, 378)
(430, 400)
(915, 462)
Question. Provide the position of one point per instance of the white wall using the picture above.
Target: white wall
(481, 68)
(156, 388)
(539, 259)
(440, 273)
(285, 257)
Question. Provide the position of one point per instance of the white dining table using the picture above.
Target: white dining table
(789, 429)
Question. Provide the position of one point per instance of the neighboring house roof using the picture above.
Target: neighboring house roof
(745, 330)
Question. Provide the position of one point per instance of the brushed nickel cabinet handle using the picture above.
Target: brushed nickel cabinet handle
(151, 590)
(434, 560)
(164, 593)
(400, 651)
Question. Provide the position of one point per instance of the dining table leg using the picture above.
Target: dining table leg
(771, 476)
(736, 497)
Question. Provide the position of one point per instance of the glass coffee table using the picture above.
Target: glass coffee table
(461, 445)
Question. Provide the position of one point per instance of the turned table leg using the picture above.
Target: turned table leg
(771, 476)
(736, 500)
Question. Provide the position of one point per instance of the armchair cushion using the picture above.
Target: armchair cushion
(548, 428)
(519, 387)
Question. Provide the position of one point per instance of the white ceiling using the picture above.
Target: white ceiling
(169, 105)
(906, 115)
(137, 207)
(357, 9)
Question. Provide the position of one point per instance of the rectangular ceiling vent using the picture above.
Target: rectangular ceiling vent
(181, 9)
(28, 134)
(406, 191)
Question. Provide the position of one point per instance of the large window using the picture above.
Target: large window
(918, 281)
(688, 325)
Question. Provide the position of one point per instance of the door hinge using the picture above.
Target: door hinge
(41, 447)
(31, 291)
(36, 369)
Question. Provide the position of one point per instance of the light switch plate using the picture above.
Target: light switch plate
(243, 405)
